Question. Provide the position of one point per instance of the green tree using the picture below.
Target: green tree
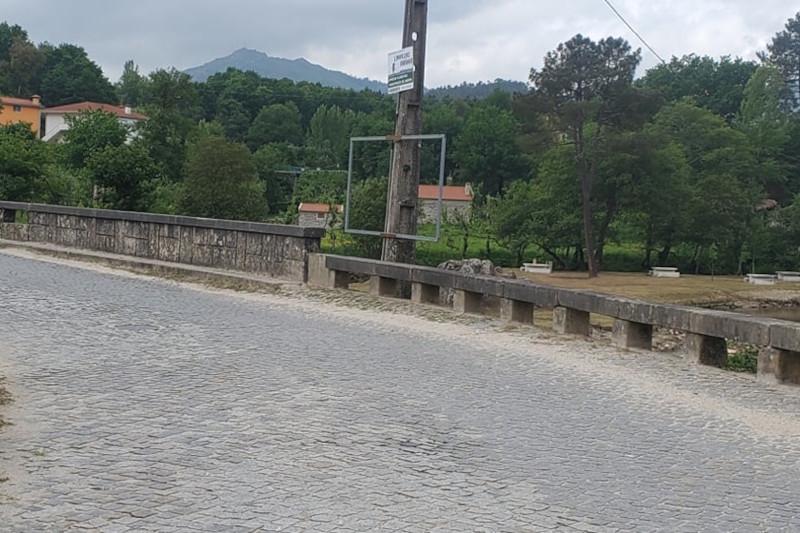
(90, 132)
(584, 85)
(221, 182)
(784, 51)
(69, 76)
(172, 104)
(724, 190)
(269, 161)
(8, 35)
(512, 218)
(556, 222)
(23, 163)
(320, 186)
(329, 136)
(486, 150)
(22, 69)
(131, 85)
(368, 212)
(713, 85)
(440, 118)
(765, 121)
(234, 119)
(122, 175)
(648, 178)
(276, 123)
(371, 159)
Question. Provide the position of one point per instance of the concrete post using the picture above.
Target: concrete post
(571, 321)
(422, 293)
(322, 276)
(379, 286)
(778, 366)
(516, 311)
(632, 335)
(466, 301)
(711, 351)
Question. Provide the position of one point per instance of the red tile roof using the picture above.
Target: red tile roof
(460, 193)
(6, 100)
(306, 207)
(92, 106)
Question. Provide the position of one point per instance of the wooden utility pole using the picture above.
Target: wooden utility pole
(401, 209)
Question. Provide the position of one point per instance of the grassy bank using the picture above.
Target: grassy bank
(686, 290)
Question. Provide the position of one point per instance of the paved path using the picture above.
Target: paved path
(146, 405)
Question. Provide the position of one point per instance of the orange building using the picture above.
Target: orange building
(15, 110)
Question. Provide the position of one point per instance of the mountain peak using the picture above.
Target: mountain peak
(299, 69)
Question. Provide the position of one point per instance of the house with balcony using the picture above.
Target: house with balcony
(55, 118)
(16, 110)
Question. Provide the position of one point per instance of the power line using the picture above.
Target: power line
(617, 13)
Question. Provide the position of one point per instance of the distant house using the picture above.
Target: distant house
(55, 118)
(311, 215)
(15, 110)
(455, 198)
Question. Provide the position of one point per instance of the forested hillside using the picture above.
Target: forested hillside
(694, 164)
(479, 90)
(277, 67)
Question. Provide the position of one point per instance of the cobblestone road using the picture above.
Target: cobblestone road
(147, 405)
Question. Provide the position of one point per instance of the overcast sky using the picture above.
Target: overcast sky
(468, 40)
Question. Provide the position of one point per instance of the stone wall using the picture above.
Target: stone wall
(271, 249)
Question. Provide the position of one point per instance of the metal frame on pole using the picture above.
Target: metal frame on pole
(406, 236)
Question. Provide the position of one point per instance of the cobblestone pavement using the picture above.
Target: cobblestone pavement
(149, 405)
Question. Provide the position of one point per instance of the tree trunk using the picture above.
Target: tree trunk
(465, 243)
(694, 259)
(648, 253)
(520, 253)
(586, 197)
(663, 255)
(611, 209)
(560, 263)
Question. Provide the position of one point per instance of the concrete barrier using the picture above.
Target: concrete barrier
(707, 331)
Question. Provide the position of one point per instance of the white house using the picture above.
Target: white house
(55, 118)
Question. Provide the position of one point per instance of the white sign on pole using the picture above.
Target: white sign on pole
(401, 70)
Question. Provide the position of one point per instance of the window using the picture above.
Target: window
(320, 216)
(17, 109)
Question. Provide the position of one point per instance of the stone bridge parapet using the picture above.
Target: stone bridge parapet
(271, 249)
(633, 320)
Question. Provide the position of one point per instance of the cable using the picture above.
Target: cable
(608, 2)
